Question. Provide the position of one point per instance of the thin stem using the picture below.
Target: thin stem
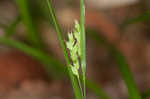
(59, 31)
(83, 44)
(61, 39)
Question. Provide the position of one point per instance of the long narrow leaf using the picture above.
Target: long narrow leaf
(95, 88)
(50, 62)
(123, 65)
(83, 44)
(33, 33)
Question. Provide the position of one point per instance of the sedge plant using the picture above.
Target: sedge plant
(49, 62)
(75, 54)
(75, 50)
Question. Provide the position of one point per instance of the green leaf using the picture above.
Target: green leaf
(32, 30)
(51, 65)
(122, 62)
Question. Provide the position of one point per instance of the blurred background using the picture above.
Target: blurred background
(32, 62)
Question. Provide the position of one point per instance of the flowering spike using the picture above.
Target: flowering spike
(73, 44)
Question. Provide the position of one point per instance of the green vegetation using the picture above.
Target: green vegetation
(74, 50)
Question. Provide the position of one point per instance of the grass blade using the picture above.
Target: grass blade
(33, 34)
(123, 65)
(126, 73)
(83, 44)
(76, 88)
(50, 63)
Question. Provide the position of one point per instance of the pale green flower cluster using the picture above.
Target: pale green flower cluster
(73, 44)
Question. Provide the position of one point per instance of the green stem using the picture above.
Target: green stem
(83, 44)
(58, 29)
(61, 39)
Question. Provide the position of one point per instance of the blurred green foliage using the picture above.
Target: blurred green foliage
(29, 14)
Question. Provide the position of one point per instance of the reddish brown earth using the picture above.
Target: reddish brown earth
(16, 67)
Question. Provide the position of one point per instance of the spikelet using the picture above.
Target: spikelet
(73, 44)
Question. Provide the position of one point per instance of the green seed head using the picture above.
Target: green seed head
(73, 44)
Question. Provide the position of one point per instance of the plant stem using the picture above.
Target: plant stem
(76, 88)
(58, 30)
(83, 44)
